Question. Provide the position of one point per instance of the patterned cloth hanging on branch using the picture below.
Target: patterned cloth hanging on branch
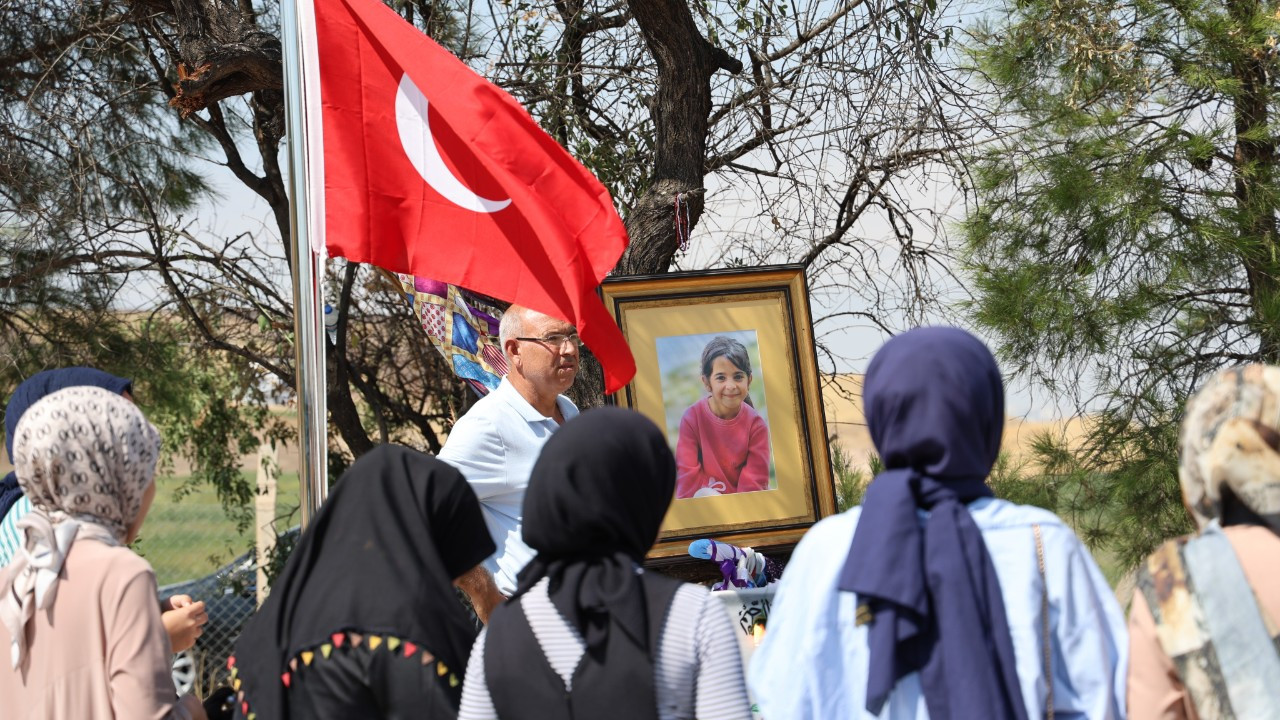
(683, 223)
(461, 326)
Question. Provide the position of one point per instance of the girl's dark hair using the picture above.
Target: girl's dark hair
(735, 351)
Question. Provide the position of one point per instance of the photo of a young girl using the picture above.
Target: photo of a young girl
(723, 442)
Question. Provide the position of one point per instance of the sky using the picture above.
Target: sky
(234, 209)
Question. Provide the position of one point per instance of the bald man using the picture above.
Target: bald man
(496, 443)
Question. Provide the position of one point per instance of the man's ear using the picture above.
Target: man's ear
(511, 348)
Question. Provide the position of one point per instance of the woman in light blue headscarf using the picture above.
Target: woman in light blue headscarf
(934, 599)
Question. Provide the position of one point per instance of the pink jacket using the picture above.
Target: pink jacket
(729, 455)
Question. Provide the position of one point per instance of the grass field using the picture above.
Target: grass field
(189, 537)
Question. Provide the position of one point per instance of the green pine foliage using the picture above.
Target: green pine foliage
(86, 135)
(1123, 244)
(851, 481)
(94, 164)
(210, 412)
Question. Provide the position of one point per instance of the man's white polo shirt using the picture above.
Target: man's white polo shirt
(495, 445)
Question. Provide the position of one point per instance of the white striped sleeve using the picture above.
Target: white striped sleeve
(698, 668)
(721, 690)
(476, 702)
(676, 663)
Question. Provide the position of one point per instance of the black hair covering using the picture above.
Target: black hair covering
(379, 557)
(596, 498)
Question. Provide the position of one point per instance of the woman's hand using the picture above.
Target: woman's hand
(184, 621)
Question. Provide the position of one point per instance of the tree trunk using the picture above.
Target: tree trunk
(587, 390)
(223, 53)
(344, 415)
(681, 109)
(1254, 164)
(343, 412)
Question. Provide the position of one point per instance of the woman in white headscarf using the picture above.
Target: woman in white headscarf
(78, 612)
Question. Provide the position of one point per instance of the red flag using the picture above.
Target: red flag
(429, 169)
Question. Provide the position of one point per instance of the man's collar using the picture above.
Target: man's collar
(512, 396)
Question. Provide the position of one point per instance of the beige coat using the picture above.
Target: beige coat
(100, 653)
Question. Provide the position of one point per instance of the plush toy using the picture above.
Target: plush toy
(741, 567)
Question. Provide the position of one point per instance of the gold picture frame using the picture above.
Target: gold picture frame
(670, 321)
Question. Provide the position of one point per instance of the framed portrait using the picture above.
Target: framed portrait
(726, 366)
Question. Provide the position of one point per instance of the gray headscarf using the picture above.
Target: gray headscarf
(85, 457)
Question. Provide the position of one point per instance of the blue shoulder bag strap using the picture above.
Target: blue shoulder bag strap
(1247, 655)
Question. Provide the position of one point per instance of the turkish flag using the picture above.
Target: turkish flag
(431, 170)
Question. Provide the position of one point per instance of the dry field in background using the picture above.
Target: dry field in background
(842, 399)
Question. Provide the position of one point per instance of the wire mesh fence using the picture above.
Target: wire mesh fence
(196, 549)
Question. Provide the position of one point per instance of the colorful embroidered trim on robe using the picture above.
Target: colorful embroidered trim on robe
(313, 656)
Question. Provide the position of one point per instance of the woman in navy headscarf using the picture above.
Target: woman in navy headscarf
(184, 618)
(12, 505)
(934, 599)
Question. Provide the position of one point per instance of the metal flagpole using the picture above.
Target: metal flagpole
(308, 273)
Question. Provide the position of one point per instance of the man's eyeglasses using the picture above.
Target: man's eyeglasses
(556, 340)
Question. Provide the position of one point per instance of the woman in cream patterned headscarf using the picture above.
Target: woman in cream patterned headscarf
(1203, 627)
(78, 608)
(1231, 448)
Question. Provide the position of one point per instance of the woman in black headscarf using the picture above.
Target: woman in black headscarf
(588, 633)
(363, 621)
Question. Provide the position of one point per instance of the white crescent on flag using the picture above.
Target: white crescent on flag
(420, 146)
